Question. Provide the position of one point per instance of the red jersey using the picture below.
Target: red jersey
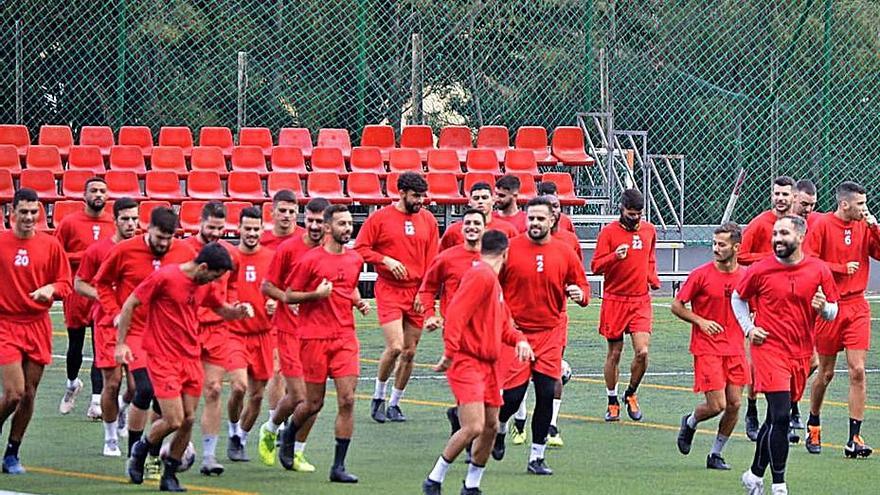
(444, 275)
(171, 301)
(330, 317)
(519, 220)
(836, 243)
(285, 258)
(479, 321)
(565, 223)
(634, 275)
(78, 231)
(25, 266)
(781, 297)
(270, 240)
(812, 218)
(88, 268)
(409, 238)
(534, 281)
(454, 237)
(708, 289)
(572, 240)
(127, 265)
(757, 239)
(227, 285)
(251, 272)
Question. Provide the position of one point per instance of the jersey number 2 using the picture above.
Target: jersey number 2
(539, 262)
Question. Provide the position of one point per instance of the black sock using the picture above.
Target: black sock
(172, 465)
(752, 409)
(855, 428)
(612, 400)
(520, 425)
(12, 448)
(630, 390)
(794, 409)
(153, 448)
(813, 420)
(133, 437)
(75, 339)
(341, 452)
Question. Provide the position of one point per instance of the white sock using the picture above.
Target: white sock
(557, 403)
(233, 429)
(121, 402)
(438, 474)
(272, 427)
(612, 392)
(537, 452)
(720, 442)
(692, 420)
(299, 447)
(209, 446)
(474, 475)
(522, 412)
(778, 486)
(242, 435)
(110, 432)
(71, 384)
(271, 414)
(379, 392)
(396, 395)
(96, 399)
(502, 428)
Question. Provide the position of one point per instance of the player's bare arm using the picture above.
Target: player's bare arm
(123, 323)
(322, 291)
(708, 327)
(84, 288)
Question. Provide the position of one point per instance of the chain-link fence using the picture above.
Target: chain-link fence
(771, 87)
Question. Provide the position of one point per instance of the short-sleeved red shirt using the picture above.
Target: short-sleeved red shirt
(454, 237)
(708, 290)
(285, 258)
(444, 274)
(519, 220)
(251, 272)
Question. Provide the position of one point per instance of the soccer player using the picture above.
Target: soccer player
(845, 240)
(284, 212)
(804, 202)
(400, 240)
(77, 232)
(477, 326)
(125, 212)
(506, 196)
(251, 341)
(539, 275)
(324, 284)
(171, 297)
(720, 365)
(480, 198)
(548, 188)
(34, 270)
(626, 255)
(788, 291)
(126, 266)
(292, 451)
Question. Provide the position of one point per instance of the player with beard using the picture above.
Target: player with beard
(113, 407)
(34, 269)
(400, 240)
(292, 451)
(77, 232)
(506, 196)
(626, 255)
(171, 297)
(324, 284)
(548, 188)
(540, 270)
(480, 198)
(284, 212)
(804, 202)
(788, 292)
(720, 365)
(127, 265)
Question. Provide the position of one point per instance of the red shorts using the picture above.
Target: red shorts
(136, 344)
(330, 358)
(619, 316)
(29, 339)
(473, 380)
(775, 373)
(173, 377)
(289, 355)
(77, 311)
(253, 351)
(712, 372)
(105, 346)
(547, 346)
(850, 330)
(396, 303)
(214, 338)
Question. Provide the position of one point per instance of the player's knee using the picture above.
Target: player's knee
(491, 424)
(827, 374)
(732, 407)
(641, 354)
(345, 403)
(212, 390)
(238, 387)
(256, 396)
(472, 430)
(188, 420)
(12, 395)
(394, 350)
(408, 354)
(857, 374)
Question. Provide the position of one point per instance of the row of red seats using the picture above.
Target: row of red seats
(566, 146)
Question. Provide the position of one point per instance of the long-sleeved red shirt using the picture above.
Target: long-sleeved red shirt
(285, 258)
(88, 268)
(837, 243)
(78, 231)
(757, 239)
(454, 237)
(444, 276)
(410, 239)
(25, 266)
(572, 240)
(633, 275)
(226, 286)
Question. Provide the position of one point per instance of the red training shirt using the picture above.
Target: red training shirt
(572, 240)
(836, 243)
(285, 258)
(251, 272)
(409, 238)
(88, 268)
(634, 275)
(519, 220)
(78, 231)
(270, 240)
(25, 266)
(227, 285)
(757, 239)
(454, 237)
(708, 289)
(565, 223)
(444, 275)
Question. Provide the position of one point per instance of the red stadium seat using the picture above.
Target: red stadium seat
(267, 215)
(364, 188)
(527, 187)
(325, 159)
(391, 185)
(420, 137)
(458, 138)
(44, 157)
(129, 158)
(472, 178)
(191, 215)
(335, 138)
(59, 136)
(170, 159)
(139, 136)
(443, 189)
(494, 137)
(220, 137)
(256, 136)
(9, 159)
(208, 158)
(7, 187)
(145, 209)
(86, 157)
(164, 185)
(521, 162)
(123, 183)
(568, 147)
(405, 160)
(326, 185)
(368, 159)
(483, 160)
(73, 183)
(233, 214)
(204, 184)
(63, 208)
(288, 159)
(444, 161)
(97, 135)
(16, 135)
(286, 180)
(379, 136)
(298, 137)
(179, 136)
(535, 138)
(564, 188)
(41, 181)
(245, 186)
(249, 159)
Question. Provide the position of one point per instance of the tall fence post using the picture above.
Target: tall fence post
(416, 76)
(121, 42)
(362, 63)
(241, 114)
(19, 83)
